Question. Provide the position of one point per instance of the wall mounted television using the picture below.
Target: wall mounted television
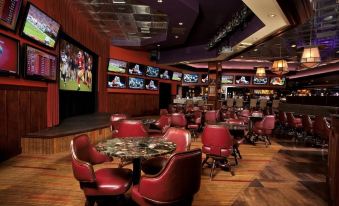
(39, 64)
(151, 84)
(77, 67)
(39, 27)
(136, 83)
(177, 76)
(204, 78)
(9, 55)
(136, 69)
(166, 74)
(152, 71)
(227, 79)
(191, 78)
(278, 81)
(245, 80)
(116, 81)
(260, 81)
(9, 13)
(117, 66)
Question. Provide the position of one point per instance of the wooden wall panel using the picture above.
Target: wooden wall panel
(12, 110)
(3, 125)
(133, 104)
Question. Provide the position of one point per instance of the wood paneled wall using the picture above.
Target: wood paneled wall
(22, 110)
(133, 104)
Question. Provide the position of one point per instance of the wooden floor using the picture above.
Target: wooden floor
(277, 175)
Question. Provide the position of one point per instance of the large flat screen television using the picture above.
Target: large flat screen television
(116, 81)
(117, 66)
(9, 12)
(76, 67)
(151, 84)
(40, 27)
(152, 71)
(166, 74)
(136, 83)
(227, 79)
(191, 78)
(278, 81)
(245, 80)
(136, 69)
(260, 81)
(39, 65)
(177, 76)
(9, 55)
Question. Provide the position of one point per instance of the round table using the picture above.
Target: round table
(136, 148)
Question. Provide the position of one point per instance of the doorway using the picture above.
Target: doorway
(164, 95)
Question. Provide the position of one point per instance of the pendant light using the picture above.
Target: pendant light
(261, 71)
(280, 66)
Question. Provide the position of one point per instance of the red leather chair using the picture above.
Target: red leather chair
(308, 127)
(103, 182)
(263, 130)
(115, 120)
(178, 120)
(131, 128)
(175, 184)
(295, 124)
(244, 114)
(218, 145)
(322, 130)
(196, 124)
(160, 126)
(212, 116)
(163, 112)
(180, 137)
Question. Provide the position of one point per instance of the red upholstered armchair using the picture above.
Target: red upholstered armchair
(131, 128)
(195, 125)
(161, 125)
(263, 130)
(115, 120)
(175, 184)
(178, 120)
(103, 182)
(180, 137)
(295, 124)
(212, 116)
(218, 145)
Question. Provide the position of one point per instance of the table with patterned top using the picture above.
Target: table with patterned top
(136, 149)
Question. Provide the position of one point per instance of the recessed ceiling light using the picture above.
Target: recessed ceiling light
(158, 45)
(272, 15)
(246, 43)
(293, 45)
(337, 52)
(119, 2)
(180, 23)
(255, 49)
(328, 18)
(176, 36)
(159, 1)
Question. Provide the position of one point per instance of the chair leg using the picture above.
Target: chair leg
(230, 168)
(90, 201)
(212, 169)
(204, 161)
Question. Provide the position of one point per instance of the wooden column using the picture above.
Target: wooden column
(214, 75)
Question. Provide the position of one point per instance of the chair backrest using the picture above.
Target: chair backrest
(164, 122)
(229, 102)
(131, 128)
(179, 179)
(253, 103)
(178, 120)
(181, 137)
(216, 140)
(81, 159)
(163, 112)
(115, 120)
(239, 103)
(282, 117)
(211, 116)
(307, 123)
(269, 122)
(290, 119)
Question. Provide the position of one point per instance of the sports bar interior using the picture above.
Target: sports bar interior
(169, 102)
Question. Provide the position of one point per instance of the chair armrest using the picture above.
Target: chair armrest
(98, 158)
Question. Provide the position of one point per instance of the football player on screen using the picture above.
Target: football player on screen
(80, 61)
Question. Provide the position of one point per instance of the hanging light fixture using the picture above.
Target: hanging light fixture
(280, 66)
(311, 55)
(261, 72)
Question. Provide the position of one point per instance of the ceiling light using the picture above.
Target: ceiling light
(272, 15)
(159, 1)
(261, 72)
(280, 67)
(119, 2)
(255, 49)
(158, 45)
(246, 43)
(337, 52)
(176, 36)
(328, 18)
(180, 23)
(293, 45)
(310, 57)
